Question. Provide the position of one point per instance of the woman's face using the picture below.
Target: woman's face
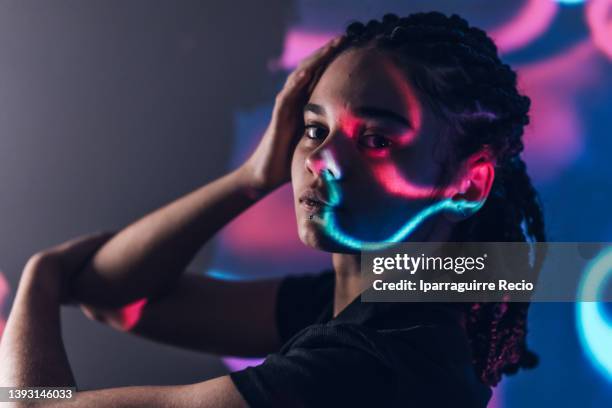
(369, 158)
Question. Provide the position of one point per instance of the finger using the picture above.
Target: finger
(299, 79)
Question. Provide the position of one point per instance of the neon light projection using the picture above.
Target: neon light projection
(223, 275)
(554, 138)
(130, 314)
(328, 220)
(126, 317)
(594, 329)
(599, 18)
(532, 20)
(299, 44)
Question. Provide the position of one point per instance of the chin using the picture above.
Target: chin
(314, 236)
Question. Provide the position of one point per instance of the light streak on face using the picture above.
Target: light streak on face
(365, 173)
(331, 164)
(390, 177)
(328, 221)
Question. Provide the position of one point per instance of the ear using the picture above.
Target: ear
(475, 178)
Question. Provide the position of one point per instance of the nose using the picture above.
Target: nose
(323, 159)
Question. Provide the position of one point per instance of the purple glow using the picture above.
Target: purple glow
(237, 364)
(299, 44)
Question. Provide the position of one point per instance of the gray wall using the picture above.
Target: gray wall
(109, 109)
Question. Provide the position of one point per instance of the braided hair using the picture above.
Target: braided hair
(456, 69)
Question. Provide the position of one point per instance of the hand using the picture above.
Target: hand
(51, 270)
(270, 165)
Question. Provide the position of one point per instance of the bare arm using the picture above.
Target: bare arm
(147, 259)
(219, 392)
(204, 314)
(33, 355)
(149, 255)
(31, 348)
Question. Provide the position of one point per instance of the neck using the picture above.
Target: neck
(348, 279)
(349, 283)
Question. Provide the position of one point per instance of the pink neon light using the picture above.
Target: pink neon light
(267, 228)
(130, 314)
(299, 44)
(389, 176)
(553, 140)
(599, 19)
(530, 22)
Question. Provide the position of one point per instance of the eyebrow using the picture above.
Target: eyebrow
(365, 112)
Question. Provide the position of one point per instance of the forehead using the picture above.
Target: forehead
(367, 77)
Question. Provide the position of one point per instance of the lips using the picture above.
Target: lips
(313, 201)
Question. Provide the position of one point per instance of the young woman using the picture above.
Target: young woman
(391, 119)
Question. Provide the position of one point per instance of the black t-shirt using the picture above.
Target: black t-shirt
(370, 355)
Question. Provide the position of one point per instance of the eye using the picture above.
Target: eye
(374, 141)
(315, 132)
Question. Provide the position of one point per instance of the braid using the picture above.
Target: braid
(457, 70)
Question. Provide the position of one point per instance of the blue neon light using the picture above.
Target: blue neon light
(594, 330)
(222, 275)
(570, 2)
(332, 229)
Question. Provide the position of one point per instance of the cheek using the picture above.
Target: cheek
(416, 167)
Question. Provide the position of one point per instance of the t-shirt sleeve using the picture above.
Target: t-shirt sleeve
(326, 366)
(301, 301)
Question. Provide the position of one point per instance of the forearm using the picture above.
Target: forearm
(31, 350)
(151, 253)
(219, 392)
(33, 355)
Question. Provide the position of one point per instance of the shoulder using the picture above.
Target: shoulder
(322, 365)
(340, 364)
